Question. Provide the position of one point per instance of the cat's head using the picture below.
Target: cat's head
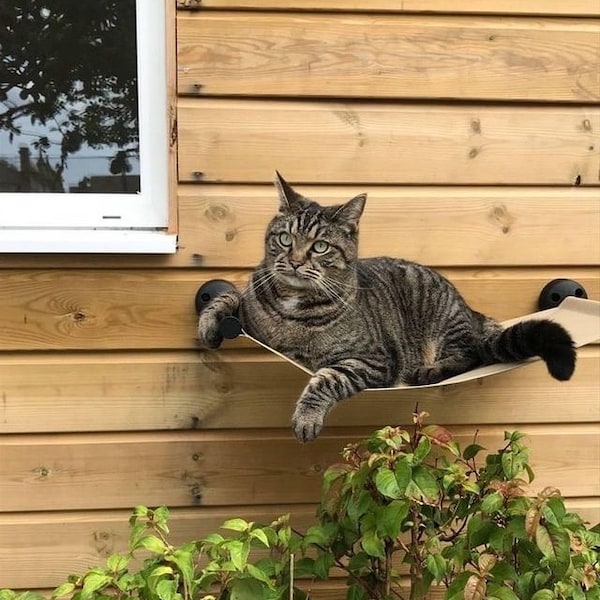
(309, 245)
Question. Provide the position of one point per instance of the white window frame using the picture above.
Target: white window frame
(109, 223)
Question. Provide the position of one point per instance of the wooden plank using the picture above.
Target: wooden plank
(395, 56)
(268, 466)
(516, 7)
(154, 309)
(42, 549)
(223, 226)
(235, 389)
(383, 143)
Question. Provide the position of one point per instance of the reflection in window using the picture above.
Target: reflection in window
(68, 96)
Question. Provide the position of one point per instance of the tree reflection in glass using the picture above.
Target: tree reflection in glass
(68, 96)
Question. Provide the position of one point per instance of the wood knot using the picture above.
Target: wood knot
(217, 212)
(42, 472)
(473, 152)
(502, 217)
(230, 235)
(79, 315)
(476, 126)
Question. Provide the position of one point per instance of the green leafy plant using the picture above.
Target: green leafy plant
(414, 498)
(243, 562)
(406, 511)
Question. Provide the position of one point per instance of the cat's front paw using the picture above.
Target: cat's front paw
(307, 424)
(208, 336)
(424, 375)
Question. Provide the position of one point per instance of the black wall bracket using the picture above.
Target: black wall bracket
(555, 291)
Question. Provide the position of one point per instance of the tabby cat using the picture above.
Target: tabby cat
(365, 323)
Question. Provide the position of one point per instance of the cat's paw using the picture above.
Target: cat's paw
(424, 375)
(307, 424)
(208, 335)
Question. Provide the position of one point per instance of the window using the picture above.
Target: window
(83, 127)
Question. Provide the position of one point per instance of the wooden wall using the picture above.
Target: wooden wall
(477, 139)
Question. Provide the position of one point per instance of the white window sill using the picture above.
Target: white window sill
(81, 241)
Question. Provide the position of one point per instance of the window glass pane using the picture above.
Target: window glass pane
(69, 97)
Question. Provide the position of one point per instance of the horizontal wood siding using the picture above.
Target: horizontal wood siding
(382, 143)
(475, 130)
(500, 7)
(376, 56)
(239, 389)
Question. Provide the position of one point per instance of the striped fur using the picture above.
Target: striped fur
(365, 323)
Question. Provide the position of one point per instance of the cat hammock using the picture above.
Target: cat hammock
(567, 299)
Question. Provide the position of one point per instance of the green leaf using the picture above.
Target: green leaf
(479, 531)
(471, 451)
(248, 589)
(116, 563)
(332, 474)
(391, 517)
(403, 473)
(259, 574)
(503, 571)
(543, 595)
(323, 564)
(93, 582)
(305, 566)
(554, 543)
(236, 525)
(436, 565)
(213, 538)
(356, 592)
(321, 535)
(386, 483)
(495, 592)
(166, 589)
(162, 570)
(422, 450)
(372, 544)
(261, 536)
(153, 544)
(184, 559)
(513, 462)
(62, 590)
(492, 502)
(238, 552)
(425, 486)
(358, 562)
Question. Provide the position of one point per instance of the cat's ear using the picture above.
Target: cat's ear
(288, 198)
(352, 210)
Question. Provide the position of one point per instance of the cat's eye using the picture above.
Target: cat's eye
(320, 246)
(285, 239)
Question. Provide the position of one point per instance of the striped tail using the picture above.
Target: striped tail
(542, 338)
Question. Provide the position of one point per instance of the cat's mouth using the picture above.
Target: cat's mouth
(295, 280)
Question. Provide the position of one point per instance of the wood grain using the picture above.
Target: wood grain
(395, 56)
(517, 7)
(238, 389)
(48, 547)
(234, 467)
(223, 226)
(351, 142)
(154, 309)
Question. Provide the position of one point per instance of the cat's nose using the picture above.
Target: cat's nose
(295, 264)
